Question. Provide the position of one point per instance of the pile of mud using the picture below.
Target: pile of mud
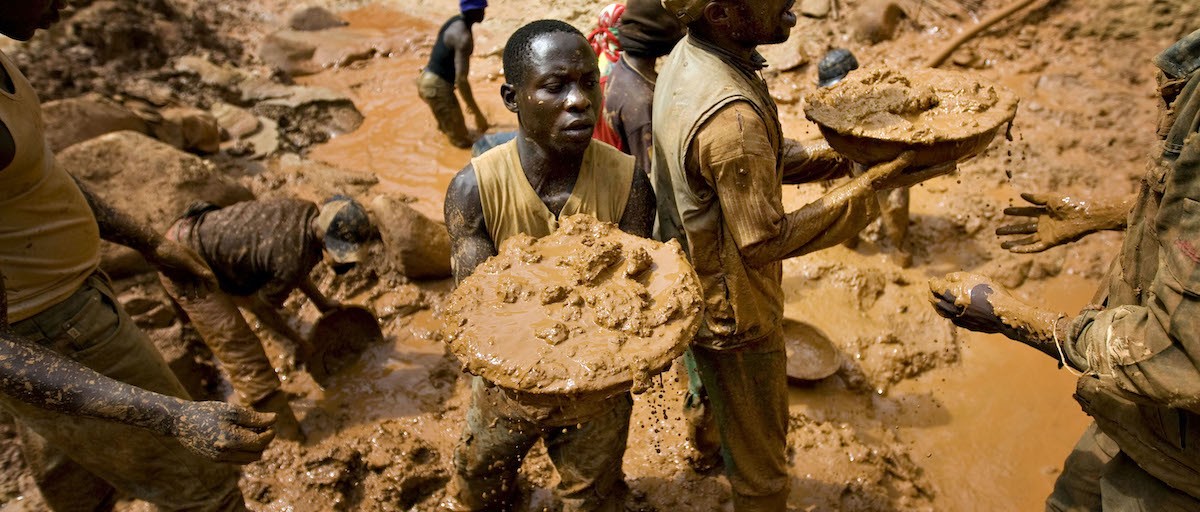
(916, 106)
(586, 310)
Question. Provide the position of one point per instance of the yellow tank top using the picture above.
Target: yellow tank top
(49, 241)
(511, 206)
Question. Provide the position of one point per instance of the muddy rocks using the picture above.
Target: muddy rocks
(315, 18)
(189, 129)
(147, 179)
(297, 53)
(876, 21)
(73, 120)
(235, 122)
(306, 115)
(816, 8)
(415, 245)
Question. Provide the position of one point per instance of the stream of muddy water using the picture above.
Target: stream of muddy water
(988, 432)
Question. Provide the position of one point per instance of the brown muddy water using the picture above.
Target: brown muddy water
(985, 429)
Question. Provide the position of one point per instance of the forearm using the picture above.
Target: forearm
(310, 290)
(468, 97)
(119, 228)
(1112, 216)
(814, 161)
(42, 378)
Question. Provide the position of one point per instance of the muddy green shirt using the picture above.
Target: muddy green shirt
(1144, 345)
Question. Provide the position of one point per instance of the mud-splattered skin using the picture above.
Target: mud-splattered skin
(557, 103)
(1056, 220)
(975, 302)
(45, 379)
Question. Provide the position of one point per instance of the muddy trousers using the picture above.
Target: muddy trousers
(1097, 476)
(439, 95)
(79, 463)
(220, 323)
(702, 428)
(747, 388)
(588, 455)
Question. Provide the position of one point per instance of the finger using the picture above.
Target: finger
(1038, 199)
(945, 310)
(1032, 248)
(254, 420)
(1024, 211)
(1028, 228)
(1009, 245)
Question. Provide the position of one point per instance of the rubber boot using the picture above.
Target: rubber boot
(286, 424)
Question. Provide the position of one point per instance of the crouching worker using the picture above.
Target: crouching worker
(260, 251)
(552, 169)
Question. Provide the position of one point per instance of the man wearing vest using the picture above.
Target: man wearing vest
(448, 68)
(1138, 345)
(552, 169)
(720, 161)
(97, 407)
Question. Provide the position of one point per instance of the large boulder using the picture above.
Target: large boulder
(77, 119)
(147, 179)
(416, 246)
(306, 115)
(298, 53)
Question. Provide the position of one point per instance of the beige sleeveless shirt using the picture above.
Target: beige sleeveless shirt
(511, 206)
(49, 241)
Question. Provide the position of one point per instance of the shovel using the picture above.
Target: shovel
(339, 338)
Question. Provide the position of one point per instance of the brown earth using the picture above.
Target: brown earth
(920, 417)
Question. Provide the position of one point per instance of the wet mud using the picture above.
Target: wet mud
(585, 311)
(918, 416)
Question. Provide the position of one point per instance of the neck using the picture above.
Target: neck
(542, 164)
(721, 39)
(643, 65)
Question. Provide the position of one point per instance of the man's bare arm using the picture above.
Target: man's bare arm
(470, 243)
(45, 379)
(464, 45)
(174, 260)
(641, 208)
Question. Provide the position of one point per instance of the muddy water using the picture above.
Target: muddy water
(399, 140)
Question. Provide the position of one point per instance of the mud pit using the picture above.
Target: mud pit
(920, 417)
(585, 311)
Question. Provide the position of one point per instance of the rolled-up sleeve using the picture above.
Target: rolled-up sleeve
(738, 160)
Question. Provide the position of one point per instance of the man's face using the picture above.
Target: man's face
(758, 22)
(557, 103)
(19, 20)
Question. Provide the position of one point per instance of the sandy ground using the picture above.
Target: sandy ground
(919, 417)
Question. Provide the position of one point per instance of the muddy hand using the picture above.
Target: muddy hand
(183, 266)
(884, 176)
(224, 432)
(966, 299)
(1050, 222)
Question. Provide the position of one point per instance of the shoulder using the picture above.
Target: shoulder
(462, 196)
(737, 128)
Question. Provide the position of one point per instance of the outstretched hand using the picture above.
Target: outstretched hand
(184, 267)
(224, 432)
(1052, 221)
(966, 299)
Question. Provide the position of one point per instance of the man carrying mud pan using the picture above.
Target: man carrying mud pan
(260, 252)
(448, 68)
(552, 169)
(97, 408)
(720, 161)
(1136, 348)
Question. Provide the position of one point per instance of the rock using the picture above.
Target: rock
(416, 246)
(266, 142)
(785, 56)
(189, 129)
(316, 181)
(147, 179)
(235, 122)
(815, 8)
(315, 18)
(875, 21)
(304, 53)
(306, 115)
(222, 76)
(78, 119)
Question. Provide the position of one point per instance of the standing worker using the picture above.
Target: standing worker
(97, 408)
(260, 252)
(552, 169)
(449, 67)
(1137, 345)
(720, 161)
